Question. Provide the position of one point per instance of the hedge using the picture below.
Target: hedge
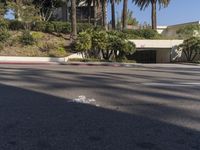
(142, 33)
(52, 26)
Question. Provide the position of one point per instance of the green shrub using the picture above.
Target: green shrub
(49, 27)
(84, 26)
(39, 26)
(132, 34)
(149, 34)
(190, 48)
(99, 28)
(66, 28)
(61, 27)
(107, 45)
(4, 24)
(4, 35)
(1, 47)
(188, 31)
(61, 49)
(37, 35)
(27, 38)
(119, 46)
(141, 34)
(59, 52)
(16, 25)
(83, 42)
(46, 47)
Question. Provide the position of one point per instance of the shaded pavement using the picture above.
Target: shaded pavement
(36, 111)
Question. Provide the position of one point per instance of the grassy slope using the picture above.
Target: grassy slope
(46, 45)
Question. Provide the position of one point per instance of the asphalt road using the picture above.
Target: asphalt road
(55, 107)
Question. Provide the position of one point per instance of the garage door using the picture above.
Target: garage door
(146, 56)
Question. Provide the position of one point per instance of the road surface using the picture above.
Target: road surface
(59, 107)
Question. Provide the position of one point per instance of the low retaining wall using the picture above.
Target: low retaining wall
(18, 59)
(37, 60)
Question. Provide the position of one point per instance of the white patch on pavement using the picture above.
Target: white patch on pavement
(172, 84)
(85, 100)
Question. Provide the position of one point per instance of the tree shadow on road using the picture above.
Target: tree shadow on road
(36, 121)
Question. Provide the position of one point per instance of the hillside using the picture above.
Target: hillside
(45, 44)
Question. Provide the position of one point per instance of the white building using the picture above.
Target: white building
(171, 31)
(161, 51)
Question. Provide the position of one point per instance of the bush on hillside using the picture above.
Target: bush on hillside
(52, 26)
(59, 52)
(61, 27)
(4, 35)
(84, 26)
(16, 25)
(39, 26)
(83, 42)
(49, 27)
(26, 38)
(4, 24)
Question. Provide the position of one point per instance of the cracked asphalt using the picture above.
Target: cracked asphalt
(145, 107)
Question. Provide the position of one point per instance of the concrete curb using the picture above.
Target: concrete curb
(102, 64)
(70, 63)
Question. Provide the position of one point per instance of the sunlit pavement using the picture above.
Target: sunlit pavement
(55, 107)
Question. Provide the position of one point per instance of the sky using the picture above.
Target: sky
(178, 11)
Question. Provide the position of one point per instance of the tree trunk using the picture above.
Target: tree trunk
(104, 14)
(67, 10)
(95, 13)
(113, 13)
(73, 20)
(89, 11)
(154, 15)
(124, 15)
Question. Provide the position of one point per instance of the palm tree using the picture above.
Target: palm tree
(145, 3)
(73, 19)
(95, 12)
(104, 13)
(124, 14)
(113, 13)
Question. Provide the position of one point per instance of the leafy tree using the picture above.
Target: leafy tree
(130, 19)
(190, 48)
(47, 7)
(2, 8)
(145, 3)
(24, 11)
(189, 31)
